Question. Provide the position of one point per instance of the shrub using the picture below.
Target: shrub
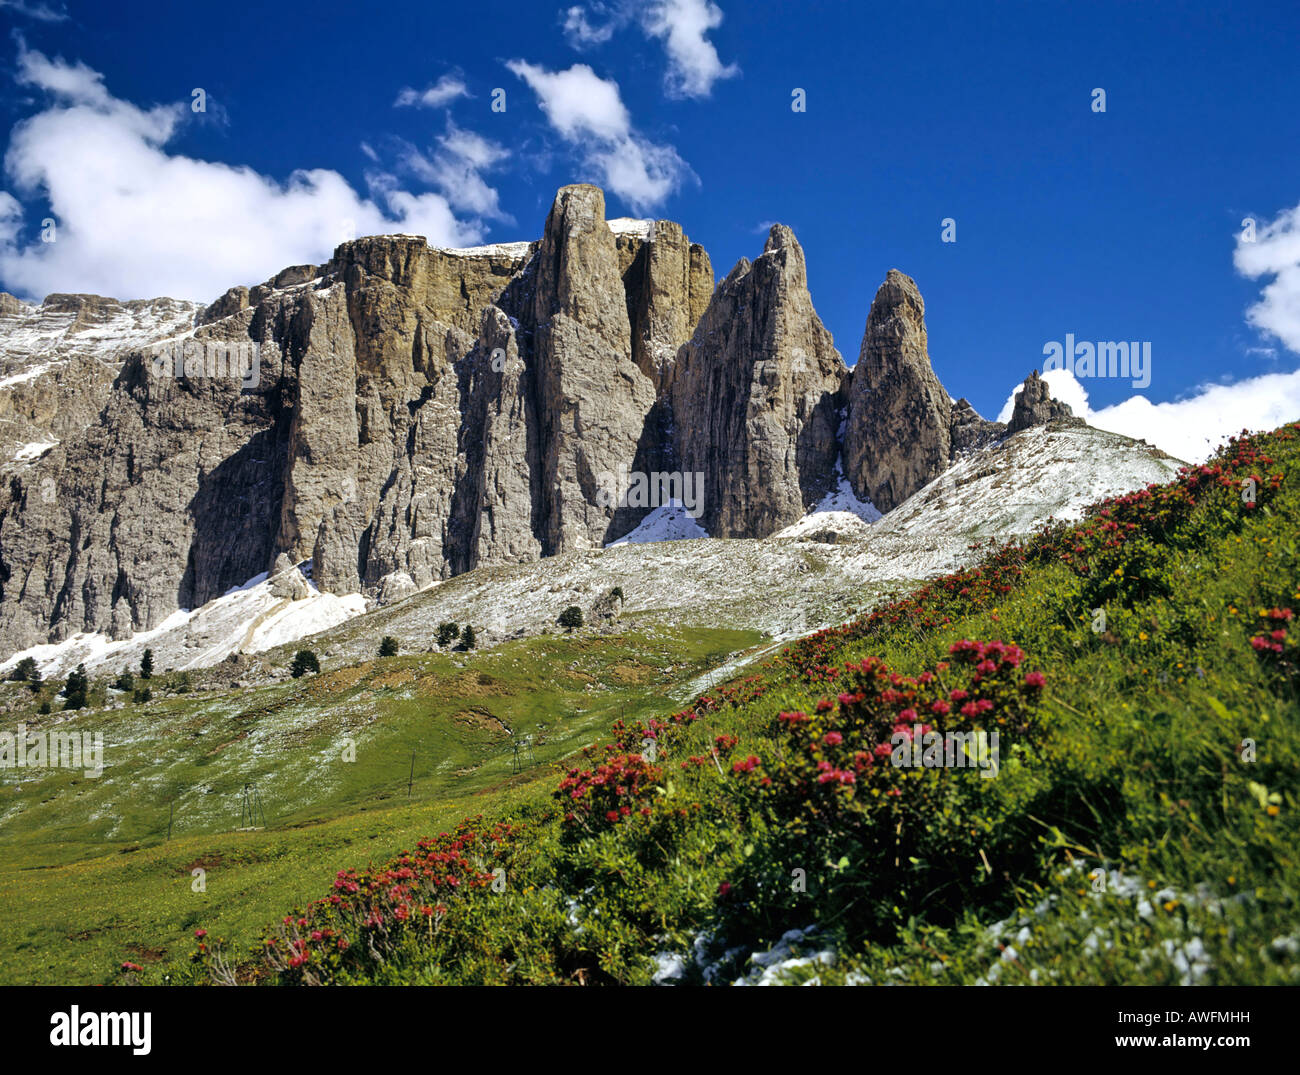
(143, 695)
(304, 661)
(24, 670)
(448, 633)
(44, 707)
(125, 682)
(388, 646)
(146, 665)
(571, 617)
(74, 692)
(467, 638)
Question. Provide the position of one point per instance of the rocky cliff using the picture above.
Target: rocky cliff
(403, 414)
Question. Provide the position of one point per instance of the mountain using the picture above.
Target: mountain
(348, 435)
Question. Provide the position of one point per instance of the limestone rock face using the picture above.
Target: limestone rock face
(1035, 406)
(592, 398)
(756, 396)
(417, 412)
(898, 435)
(969, 431)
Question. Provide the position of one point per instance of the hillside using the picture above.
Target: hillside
(1140, 828)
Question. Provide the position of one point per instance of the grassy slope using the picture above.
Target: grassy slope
(1136, 768)
(86, 875)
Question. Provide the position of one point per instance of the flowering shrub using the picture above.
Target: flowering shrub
(830, 789)
(1275, 645)
(601, 797)
(374, 912)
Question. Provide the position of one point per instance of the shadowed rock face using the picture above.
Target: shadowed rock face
(420, 412)
(756, 396)
(899, 427)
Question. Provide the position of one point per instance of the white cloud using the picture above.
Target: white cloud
(455, 168)
(136, 221)
(443, 92)
(1191, 428)
(1275, 253)
(683, 26)
(588, 112)
(582, 33)
(41, 12)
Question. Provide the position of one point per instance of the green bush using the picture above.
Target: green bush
(24, 671)
(448, 633)
(388, 646)
(304, 661)
(74, 692)
(570, 618)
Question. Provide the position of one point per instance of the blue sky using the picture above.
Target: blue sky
(1117, 225)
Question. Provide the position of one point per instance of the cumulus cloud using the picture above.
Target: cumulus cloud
(588, 113)
(443, 92)
(456, 168)
(1190, 428)
(134, 220)
(1274, 253)
(683, 27)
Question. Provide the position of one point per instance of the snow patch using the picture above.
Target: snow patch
(668, 522)
(34, 450)
(247, 619)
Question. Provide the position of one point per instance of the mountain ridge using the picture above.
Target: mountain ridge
(415, 413)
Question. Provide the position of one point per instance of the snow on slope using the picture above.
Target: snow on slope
(247, 619)
(783, 585)
(668, 522)
(786, 585)
(838, 510)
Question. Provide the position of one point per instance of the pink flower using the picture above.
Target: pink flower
(832, 739)
(1034, 679)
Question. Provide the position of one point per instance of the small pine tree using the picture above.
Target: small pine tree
(617, 591)
(24, 670)
(125, 682)
(74, 692)
(146, 665)
(144, 695)
(467, 638)
(45, 707)
(34, 682)
(571, 617)
(304, 661)
(448, 633)
(388, 646)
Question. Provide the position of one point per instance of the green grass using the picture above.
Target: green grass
(1133, 765)
(88, 877)
(1129, 838)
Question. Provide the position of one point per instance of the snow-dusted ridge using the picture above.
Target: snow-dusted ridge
(814, 574)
